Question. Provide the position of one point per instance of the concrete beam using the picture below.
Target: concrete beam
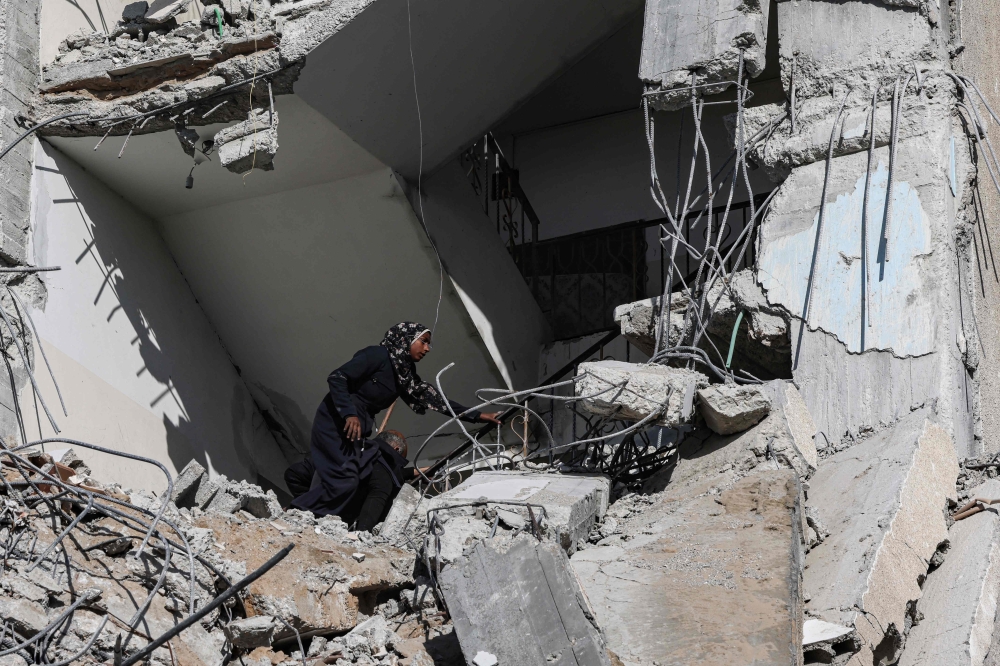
(884, 502)
(523, 606)
(633, 392)
(705, 578)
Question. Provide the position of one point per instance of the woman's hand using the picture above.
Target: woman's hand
(491, 418)
(352, 428)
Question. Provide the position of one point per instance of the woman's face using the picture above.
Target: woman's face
(420, 347)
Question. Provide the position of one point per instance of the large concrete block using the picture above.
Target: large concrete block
(705, 578)
(524, 606)
(570, 505)
(763, 346)
(250, 144)
(884, 502)
(632, 392)
(731, 408)
(959, 601)
(703, 37)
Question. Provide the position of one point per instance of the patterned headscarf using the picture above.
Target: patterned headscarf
(416, 393)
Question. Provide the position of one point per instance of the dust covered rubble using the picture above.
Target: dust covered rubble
(337, 602)
(178, 53)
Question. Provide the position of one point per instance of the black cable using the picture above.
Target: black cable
(37, 127)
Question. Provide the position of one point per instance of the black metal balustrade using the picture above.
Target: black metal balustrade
(580, 278)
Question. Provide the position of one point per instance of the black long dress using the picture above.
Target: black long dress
(362, 387)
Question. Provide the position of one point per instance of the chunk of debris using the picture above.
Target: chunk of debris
(668, 593)
(634, 392)
(763, 345)
(699, 42)
(250, 632)
(523, 606)
(403, 507)
(883, 501)
(250, 144)
(959, 601)
(823, 641)
(731, 408)
(564, 508)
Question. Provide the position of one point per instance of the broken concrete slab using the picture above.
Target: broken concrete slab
(523, 606)
(319, 586)
(784, 438)
(698, 42)
(669, 594)
(959, 601)
(250, 144)
(822, 641)
(250, 632)
(566, 507)
(633, 392)
(162, 11)
(884, 502)
(731, 408)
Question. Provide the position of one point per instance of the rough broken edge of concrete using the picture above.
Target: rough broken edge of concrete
(635, 392)
(299, 37)
(522, 637)
(963, 627)
(797, 419)
(668, 75)
(903, 555)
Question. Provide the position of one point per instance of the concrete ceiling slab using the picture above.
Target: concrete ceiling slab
(475, 62)
(152, 170)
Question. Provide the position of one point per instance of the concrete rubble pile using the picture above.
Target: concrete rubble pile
(349, 597)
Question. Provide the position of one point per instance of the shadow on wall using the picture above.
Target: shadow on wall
(171, 333)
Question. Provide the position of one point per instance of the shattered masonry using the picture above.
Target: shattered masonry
(804, 471)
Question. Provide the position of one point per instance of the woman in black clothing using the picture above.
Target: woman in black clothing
(370, 382)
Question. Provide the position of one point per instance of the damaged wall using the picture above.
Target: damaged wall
(139, 365)
(973, 40)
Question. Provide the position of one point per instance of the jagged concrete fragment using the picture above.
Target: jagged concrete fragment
(633, 392)
(162, 11)
(857, 43)
(731, 408)
(250, 632)
(403, 507)
(823, 641)
(698, 42)
(187, 483)
(565, 508)
(764, 349)
(884, 503)
(250, 144)
(784, 438)
(705, 578)
(959, 601)
(524, 606)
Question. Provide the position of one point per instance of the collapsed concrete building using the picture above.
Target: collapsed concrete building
(739, 308)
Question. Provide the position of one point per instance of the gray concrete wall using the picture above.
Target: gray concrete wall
(140, 367)
(977, 29)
